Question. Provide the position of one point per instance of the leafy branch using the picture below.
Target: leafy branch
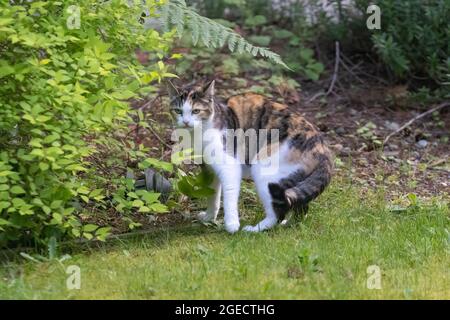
(212, 34)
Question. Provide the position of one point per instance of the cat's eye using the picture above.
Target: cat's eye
(196, 111)
(177, 111)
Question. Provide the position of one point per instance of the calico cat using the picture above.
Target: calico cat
(304, 162)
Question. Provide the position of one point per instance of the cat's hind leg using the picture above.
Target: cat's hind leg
(262, 188)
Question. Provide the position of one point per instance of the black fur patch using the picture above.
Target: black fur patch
(263, 117)
(300, 142)
(279, 203)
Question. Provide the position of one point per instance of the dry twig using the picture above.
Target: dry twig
(336, 68)
(333, 79)
(407, 124)
(158, 137)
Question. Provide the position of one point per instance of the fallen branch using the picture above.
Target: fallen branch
(158, 137)
(350, 70)
(336, 68)
(440, 169)
(143, 108)
(333, 79)
(149, 103)
(407, 124)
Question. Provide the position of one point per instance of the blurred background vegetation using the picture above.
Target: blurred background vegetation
(411, 47)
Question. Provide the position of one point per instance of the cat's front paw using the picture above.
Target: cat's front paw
(232, 227)
(204, 216)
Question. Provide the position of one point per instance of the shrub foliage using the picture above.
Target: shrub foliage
(414, 39)
(63, 80)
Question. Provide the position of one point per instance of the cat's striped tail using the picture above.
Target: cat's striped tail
(298, 196)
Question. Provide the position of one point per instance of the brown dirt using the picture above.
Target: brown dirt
(402, 166)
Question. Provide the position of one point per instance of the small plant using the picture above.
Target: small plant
(368, 132)
(413, 205)
(52, 254)
(308, 261)
(191, 184)
(308, 65)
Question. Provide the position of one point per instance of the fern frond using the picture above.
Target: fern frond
(177, 19)
(232, 39)
(176, 14)
(195, 30)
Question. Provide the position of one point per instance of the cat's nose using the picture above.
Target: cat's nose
(186, 123)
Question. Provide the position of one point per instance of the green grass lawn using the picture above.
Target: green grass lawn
(325, 256)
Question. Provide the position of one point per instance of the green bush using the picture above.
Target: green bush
(62, 88)
(413, 40)
(414, 37)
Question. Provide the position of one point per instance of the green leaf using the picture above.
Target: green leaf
(144, 209)
(157, 164)
(205, 178)
(75, 167)
(6, 71)
(137, 203)
(17, 190)
(76, 232)
(4, 205)
(44, 166)
(57, 217)
(37, 152)
(413, 200)
(51, 248)
(6, 173)
(103, 231)
(263, 41)
(150, 197)
(158, 208)
(83, 190)
(254, 21)
(95, 193)
(6, 21)
(56, 204)
(122, 95)
(282, 34)
(87, 235)
(89, 227)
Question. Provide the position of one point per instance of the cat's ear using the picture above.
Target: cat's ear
(209, 89)
(171, 90)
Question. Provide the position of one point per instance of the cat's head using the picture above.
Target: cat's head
(192, 107)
